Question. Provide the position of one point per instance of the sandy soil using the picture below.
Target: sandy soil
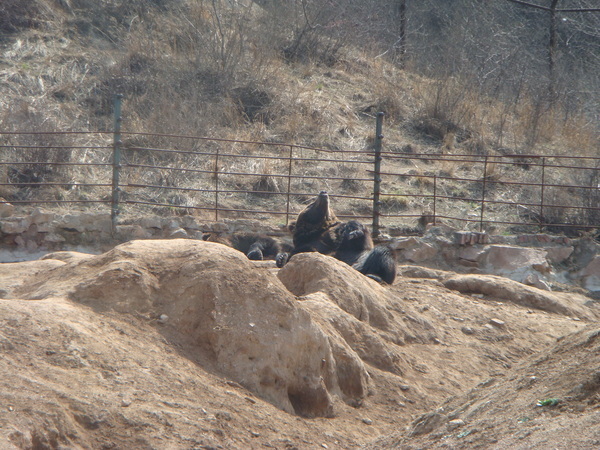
(86, 363)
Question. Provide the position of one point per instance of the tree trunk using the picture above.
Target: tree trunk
(400, 45)
(552, 44)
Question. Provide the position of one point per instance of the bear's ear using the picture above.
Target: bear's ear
(291, 226)
(206, 236)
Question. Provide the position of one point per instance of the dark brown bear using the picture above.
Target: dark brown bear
(314, 230)
(317, 229)
(255, 246)
(355, 247)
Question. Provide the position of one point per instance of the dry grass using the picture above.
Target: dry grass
(62, 68)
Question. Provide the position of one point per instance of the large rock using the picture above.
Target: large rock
(590, 275)
(506, 259)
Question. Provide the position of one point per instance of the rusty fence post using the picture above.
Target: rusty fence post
(116, 166)
(217, 184)
(483, 188)
(377, 174)
(542, 220)
(289, 187)
(434, 199)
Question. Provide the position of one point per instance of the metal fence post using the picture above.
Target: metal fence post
(117, 143)
(434, 199)
(289, 187)
(542, 220)
(377, 174)
(217, 184)
(483, 188)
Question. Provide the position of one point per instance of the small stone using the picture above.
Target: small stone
(367, 421)
(125, 402)
(456, 423)
(254, 434)
(324, 446)
(404, 387)
(497, 323)
(467, 330)
(163, 318)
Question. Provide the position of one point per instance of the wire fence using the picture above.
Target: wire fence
(137, 173)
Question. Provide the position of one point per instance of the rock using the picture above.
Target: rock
(426, 424)
(404, 243)
(178, 233)
(473, 254)
(419, 254)
(163, 318)
(190, 223)
(70, 222)
(590, 274)
(534, 280)
(454, 424)
(40, 217)
(497, 323)
(503, 259)
(151, 222)
(97, 222)
(15, 225)
(557, 255)
(6, 209)
(54, 238)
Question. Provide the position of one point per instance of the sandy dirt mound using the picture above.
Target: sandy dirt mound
(182, 344)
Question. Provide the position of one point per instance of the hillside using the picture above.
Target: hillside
(253, 72)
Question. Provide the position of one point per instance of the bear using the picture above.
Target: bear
(254, 245)
(313, 230)
(353, 239)
(355, 248)
(317, 229)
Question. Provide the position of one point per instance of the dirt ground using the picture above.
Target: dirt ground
(89, 359)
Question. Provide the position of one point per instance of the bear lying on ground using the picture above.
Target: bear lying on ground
(355, 248)
(317, 229)
(254, 245)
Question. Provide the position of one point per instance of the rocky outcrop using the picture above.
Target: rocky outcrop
(542, 261)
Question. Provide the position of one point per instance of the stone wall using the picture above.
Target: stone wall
(25, 234)
(541, 260)
(545, 261)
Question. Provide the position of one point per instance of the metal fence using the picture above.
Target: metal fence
(134, 173)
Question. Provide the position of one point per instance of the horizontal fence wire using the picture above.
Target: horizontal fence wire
(228, 178)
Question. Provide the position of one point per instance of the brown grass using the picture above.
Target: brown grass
(63, 76)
